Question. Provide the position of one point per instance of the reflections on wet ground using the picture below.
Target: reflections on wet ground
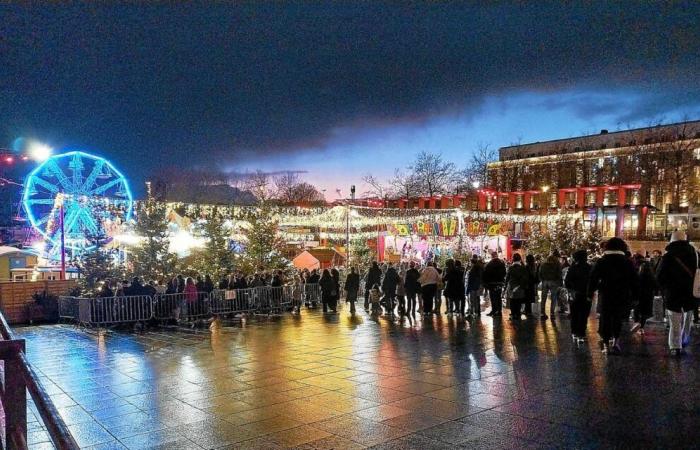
(336, 382)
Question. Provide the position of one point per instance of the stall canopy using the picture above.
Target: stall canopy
(318, 258)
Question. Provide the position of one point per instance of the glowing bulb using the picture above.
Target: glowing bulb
(38, 151)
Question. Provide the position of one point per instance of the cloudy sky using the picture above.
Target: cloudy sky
(337, 89)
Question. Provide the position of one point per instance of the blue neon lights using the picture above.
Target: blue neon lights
(93, 191)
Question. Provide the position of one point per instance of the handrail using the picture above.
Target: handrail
(56, 427)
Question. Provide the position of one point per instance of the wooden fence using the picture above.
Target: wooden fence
(15, 296)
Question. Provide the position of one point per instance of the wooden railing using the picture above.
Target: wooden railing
(18, 378)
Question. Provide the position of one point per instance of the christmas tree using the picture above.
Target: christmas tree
(97, 264)
(263, 243)
(216, 259)
(151, 258)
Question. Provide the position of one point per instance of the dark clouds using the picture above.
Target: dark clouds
(217, 81)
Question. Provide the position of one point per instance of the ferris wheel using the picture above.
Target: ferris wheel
(84, 193)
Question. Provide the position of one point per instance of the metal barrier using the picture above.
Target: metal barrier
(267, 300)
(18, 378)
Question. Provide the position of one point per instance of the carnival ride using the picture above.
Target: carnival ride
(74, 197)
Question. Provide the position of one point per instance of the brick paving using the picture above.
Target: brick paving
(338, 382)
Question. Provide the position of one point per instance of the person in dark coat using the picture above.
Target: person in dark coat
(352, 285)
(459, 289)
(614, 278)
(327, 289)
(533, 280)
(493, 278)
(106, 290)
(200, 284)
(208, 284)
(448, 282)
(336, 279)
(474, 286)
(576, 281)
(675, 276)
(516, 286)
(550, 273)
(276, 280)
(644, 306)
(389, 284)
(180, 284)
(412, 287)
(374, 276)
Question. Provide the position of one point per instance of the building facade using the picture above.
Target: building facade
(635, 184)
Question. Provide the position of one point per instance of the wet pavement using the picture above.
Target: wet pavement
(338, 382)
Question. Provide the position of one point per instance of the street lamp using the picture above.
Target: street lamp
(39, 151)
(476, 184)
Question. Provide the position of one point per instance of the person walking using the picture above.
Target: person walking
(493, 278)
(327, 289)
(675, 275)
(401, 291)
(459, 292)
(644, 307)
(448, 283)
(474, 286)
(533, 281)
(614, 278)
(551, 277)
(516, 286)
(428, 280)
(374, 276)
(336, 291)
(412, 287)
(389, 284)
(576, 281)
(352, 285)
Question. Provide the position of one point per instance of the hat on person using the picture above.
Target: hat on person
(678, 235)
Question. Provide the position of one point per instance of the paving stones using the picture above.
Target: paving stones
(336, 382)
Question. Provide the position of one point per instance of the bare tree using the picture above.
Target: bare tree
(679, 164)
(376, 188)
(258, 183)
(433, 173)
(285, 185)
(307, 193)
(405, 184)
(477, 171)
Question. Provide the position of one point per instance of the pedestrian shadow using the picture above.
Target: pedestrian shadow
(353, 321)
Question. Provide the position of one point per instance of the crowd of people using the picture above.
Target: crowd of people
(625, 285)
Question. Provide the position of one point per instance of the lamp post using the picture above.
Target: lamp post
(347, 224)
(63, 242)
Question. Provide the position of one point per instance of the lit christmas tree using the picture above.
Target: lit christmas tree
(151, 258)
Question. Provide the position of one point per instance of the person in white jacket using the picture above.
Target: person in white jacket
(428, 280)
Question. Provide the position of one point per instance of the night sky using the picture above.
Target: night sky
(338, 91)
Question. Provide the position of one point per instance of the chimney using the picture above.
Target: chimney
(603, 131)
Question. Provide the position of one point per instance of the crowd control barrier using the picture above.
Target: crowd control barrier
(262, 300)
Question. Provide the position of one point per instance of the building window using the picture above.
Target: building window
(503, 203)
(519, 201)
(633, 196)
(610, 198)
(591, 198)
(570, 199)
(553, 200)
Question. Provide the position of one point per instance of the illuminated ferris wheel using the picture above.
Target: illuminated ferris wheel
(75, 196)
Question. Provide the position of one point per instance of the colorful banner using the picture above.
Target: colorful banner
(445, 227)
(477, 228)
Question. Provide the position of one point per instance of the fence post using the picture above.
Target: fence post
(15, 397)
